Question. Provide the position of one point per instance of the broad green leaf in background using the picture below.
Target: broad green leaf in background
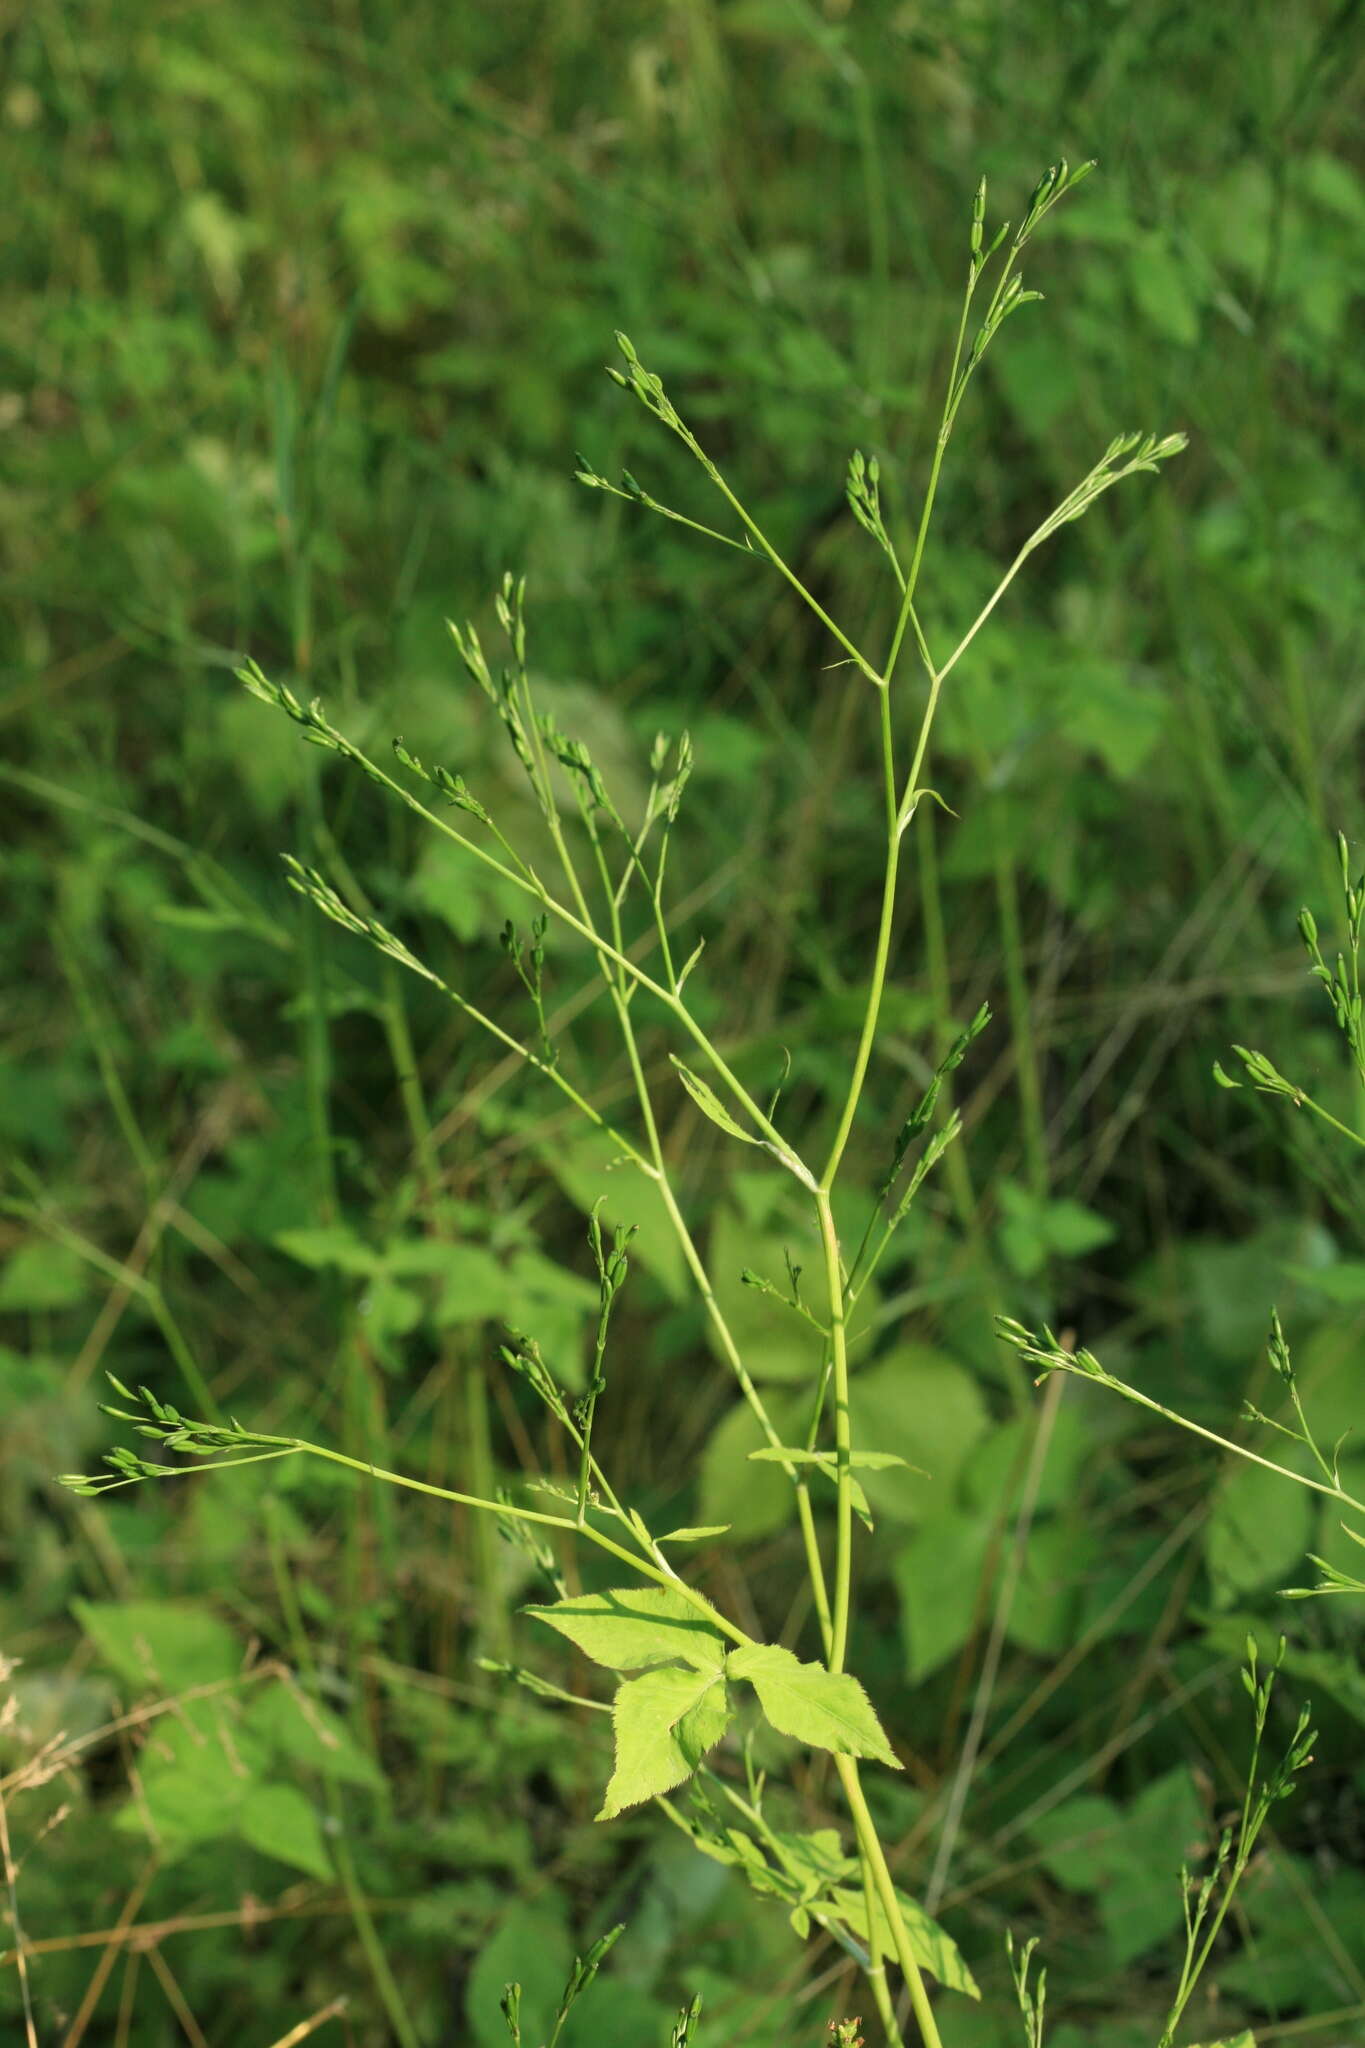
(162, 1645)
(1258, 1532)
(1108, 1853)
(285, 1724)
(939, 1579)
(530, 1946)
(1305, 1935)
(995, 1477)
(41, 1275)
(631, 1628)
(587, 1165)
(1053, 1575)
(1033, 1230)
(192, 1783)
(828, 1710)
(330, 1244)
(775, 1343)
(280, 1821)
(753, 1499)
(924, 1406)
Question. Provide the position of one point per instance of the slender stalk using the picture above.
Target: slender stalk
(843, 1506)
(930, 493)
(877, 985)
(1129, 1393)
(876, 1968)
(715, 1619)
(605, 949)
(870, 1844)
(805, 1516)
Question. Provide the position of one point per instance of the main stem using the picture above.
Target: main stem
(874, 1857)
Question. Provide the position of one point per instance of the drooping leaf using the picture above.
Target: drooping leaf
(933, 1950)
(828, 1710)
(632, 1628)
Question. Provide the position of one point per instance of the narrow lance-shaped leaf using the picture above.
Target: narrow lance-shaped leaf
(710, 1104)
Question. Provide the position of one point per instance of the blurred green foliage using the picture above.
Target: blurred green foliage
(305, 315)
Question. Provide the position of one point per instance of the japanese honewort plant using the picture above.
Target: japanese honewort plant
(691, 1683)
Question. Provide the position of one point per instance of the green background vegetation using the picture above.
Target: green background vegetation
(305, 314)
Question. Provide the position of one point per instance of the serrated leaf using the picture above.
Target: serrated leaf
(827, 1709)
(710, 1104)
(932, 1949)
(664, 1723)
(630, 1629)
(815, 1859)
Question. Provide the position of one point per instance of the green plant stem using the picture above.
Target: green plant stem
(876, 1968)
(936, 951)
(1306, 1102)
(715, 1619)
(930, 494)
(871, 1846)
(602, 946)
(805, 1515)
(877, 985)
(1121, 1387)
(1021, 1015)
(843, 1508)
(855, 655)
